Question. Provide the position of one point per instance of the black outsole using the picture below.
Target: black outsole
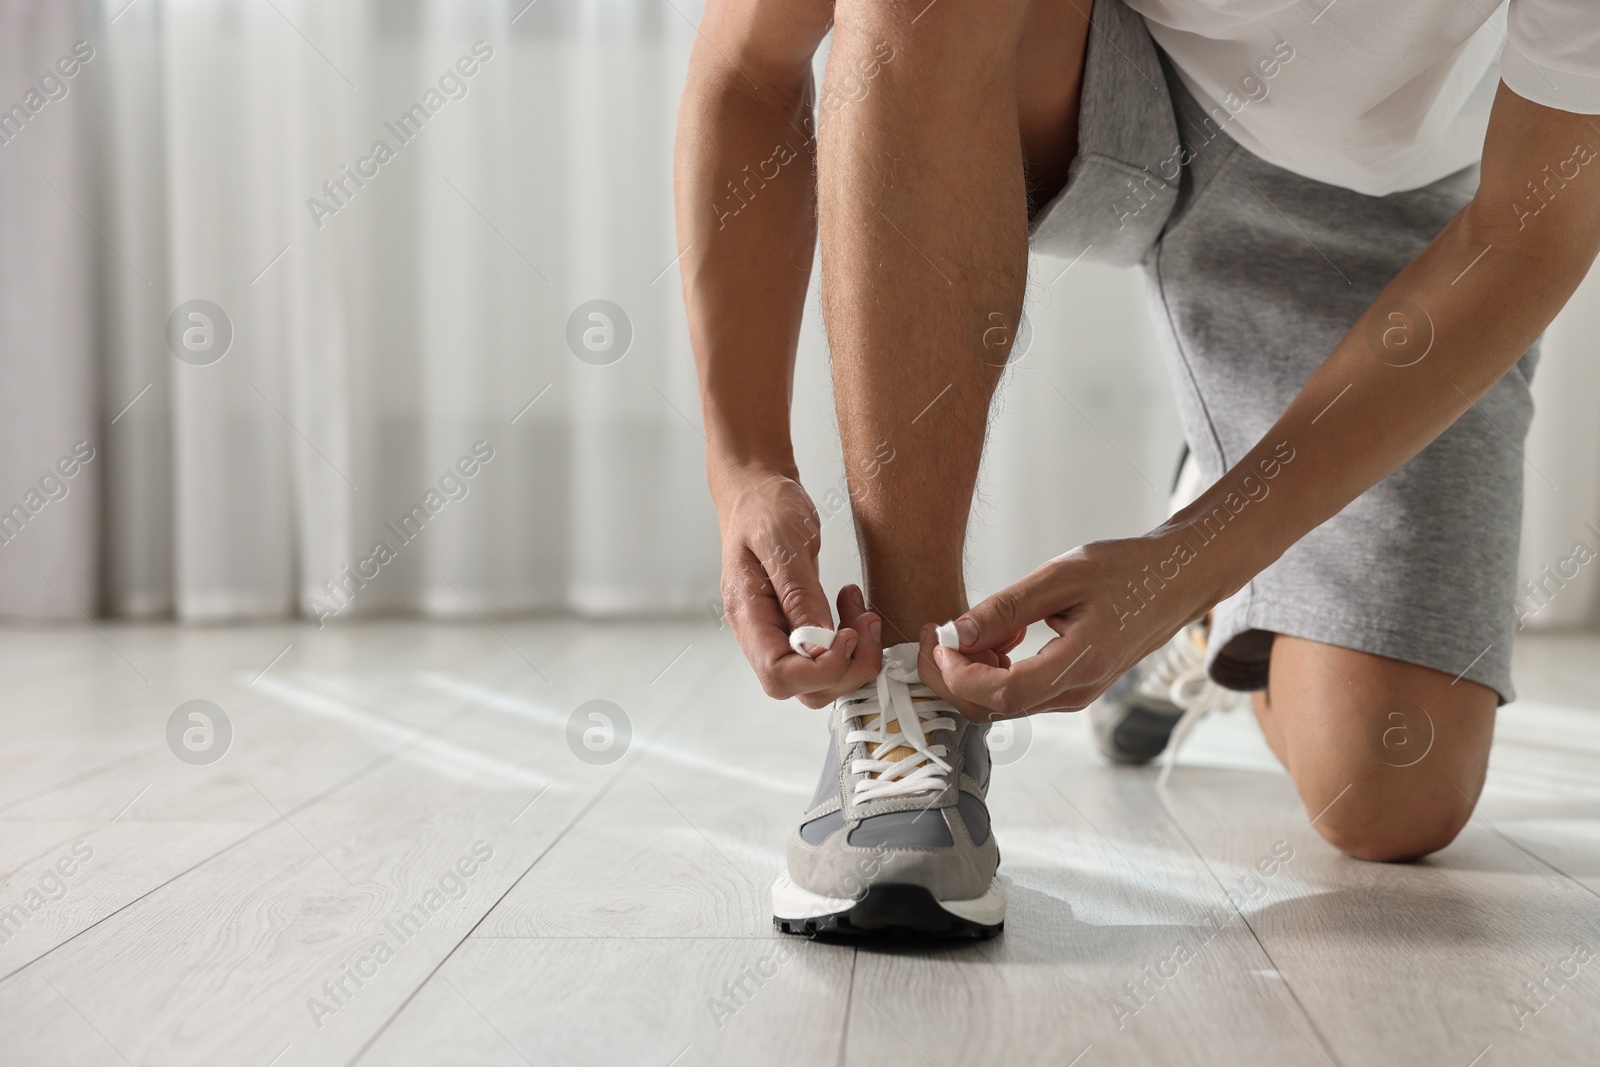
(1142, 736)
(891, 911)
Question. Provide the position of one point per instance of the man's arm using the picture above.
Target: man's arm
(746, 213)
(1474, 301)
(746, 210)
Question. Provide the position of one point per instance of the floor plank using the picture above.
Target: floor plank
(660, 1002)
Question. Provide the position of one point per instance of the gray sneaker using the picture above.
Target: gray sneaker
(1152, 708)
(902, 847)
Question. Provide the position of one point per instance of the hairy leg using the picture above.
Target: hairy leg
(924, 169)
(1388, 757)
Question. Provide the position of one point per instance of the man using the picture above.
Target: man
(1350, 309)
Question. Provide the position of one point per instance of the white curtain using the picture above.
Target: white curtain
(377, 338)
(383, 331)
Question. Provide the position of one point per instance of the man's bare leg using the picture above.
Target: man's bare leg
(1388, 757)
(923, 195)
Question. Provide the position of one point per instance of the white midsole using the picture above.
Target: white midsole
(790, 901)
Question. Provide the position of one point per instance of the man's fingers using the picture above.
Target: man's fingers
(851, 603)
(1010, 643)
(930, 667)
(998, 621)
(853, 612)
(796, 674)
(764, 636)
(788, 583)
(866, 629)
(1037, 683)
(762, 627)
(868, 659)
(799, 593)
(864, 663)
(975, 683)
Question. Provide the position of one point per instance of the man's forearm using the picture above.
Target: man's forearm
(747, 222)
(1438, 337)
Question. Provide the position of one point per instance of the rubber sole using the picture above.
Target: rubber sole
(1131, 734)
(901, 911)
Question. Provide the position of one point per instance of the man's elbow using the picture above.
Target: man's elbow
(1548, 211)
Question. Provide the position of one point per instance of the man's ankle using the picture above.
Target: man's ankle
(905, 627)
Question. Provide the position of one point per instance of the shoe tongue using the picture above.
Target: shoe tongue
(900, 662)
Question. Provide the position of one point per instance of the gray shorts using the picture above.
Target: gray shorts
(1255, 274)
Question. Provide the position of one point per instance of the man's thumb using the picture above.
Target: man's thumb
(996, 620)
(800, 595)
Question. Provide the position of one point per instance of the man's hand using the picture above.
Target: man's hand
(770, 540)
(1102, 629)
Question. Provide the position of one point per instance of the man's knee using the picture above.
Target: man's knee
(1402, 825)
(1388, 756)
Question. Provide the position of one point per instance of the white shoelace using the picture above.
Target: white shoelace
(823, 637)
(1180, 676)
(897, 694)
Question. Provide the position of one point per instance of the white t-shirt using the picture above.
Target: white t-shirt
(1376, 95)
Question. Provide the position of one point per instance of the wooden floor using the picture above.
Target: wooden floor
(401, 859)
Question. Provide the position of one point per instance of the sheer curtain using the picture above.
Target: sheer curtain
(416, 410)
(382, 326)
